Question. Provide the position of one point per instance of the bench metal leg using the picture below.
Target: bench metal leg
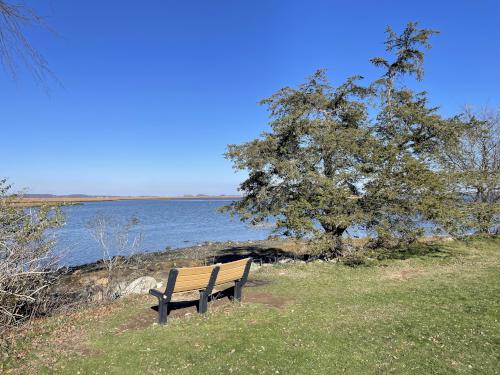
(204, 294)
(162, 312)
(237, 291)
(164, 299)
(238, 285)
(203, 303)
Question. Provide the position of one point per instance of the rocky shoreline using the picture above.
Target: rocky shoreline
(140, 272)
(153, 268)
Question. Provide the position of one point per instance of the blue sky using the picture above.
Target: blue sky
(152, 92)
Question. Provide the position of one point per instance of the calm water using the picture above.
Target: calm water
(161, 223)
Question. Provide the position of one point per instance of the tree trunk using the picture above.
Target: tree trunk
(334, 234)
(484, 221)
(333, 230)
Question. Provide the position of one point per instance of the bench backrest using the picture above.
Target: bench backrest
(232, 271)
(197, 278)
(192, 278)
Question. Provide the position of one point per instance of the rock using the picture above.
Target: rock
(140, 286)
(284, 261)
(254, 267)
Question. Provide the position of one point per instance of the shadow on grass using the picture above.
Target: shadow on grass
(193, 305)
(258, 254)
(432, 250)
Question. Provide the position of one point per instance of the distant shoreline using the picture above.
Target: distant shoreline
(33, 202)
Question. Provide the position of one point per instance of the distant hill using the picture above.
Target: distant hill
(115, 196)
(59, 196)
(99, 197)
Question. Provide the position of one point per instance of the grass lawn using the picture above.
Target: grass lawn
(435, 309)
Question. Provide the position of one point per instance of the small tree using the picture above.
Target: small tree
(117, 245)
(28, 264)
(473, 162)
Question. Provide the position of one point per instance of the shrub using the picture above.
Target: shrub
(28, 264)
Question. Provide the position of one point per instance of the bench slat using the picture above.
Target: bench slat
(184, 286)
(232, 272)
(235, 264)
(195, 270)
(224, 280)
(231, 275)
(202, 276)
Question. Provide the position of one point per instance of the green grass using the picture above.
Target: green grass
(435, 309)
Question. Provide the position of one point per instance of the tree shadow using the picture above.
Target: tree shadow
(420, 250)
(259, 255)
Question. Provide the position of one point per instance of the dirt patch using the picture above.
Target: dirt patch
(145, 319)
(185, 305)
(267, 299)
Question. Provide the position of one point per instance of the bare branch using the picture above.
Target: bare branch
(15, 48)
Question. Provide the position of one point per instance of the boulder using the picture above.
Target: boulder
(254, 267)
(139, 286)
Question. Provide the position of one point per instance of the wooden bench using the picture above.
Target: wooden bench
(203, 279)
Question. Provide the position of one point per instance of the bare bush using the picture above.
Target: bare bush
(28, 263)
(117, 244)
(474, 164)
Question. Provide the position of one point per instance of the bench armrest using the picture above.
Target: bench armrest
(156, 293)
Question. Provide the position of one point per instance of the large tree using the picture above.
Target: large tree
(307, 170)
(327, 165)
